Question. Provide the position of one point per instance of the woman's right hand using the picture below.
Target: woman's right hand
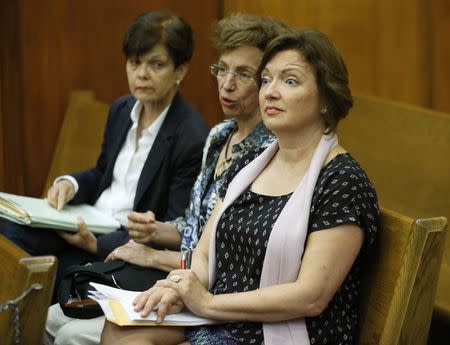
(141, 226)
(134, 253)
(60, 194)
(160, 299)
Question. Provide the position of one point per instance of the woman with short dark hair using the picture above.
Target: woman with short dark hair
(150, 29)
(151, 155)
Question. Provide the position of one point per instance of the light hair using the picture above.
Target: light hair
(240, 30)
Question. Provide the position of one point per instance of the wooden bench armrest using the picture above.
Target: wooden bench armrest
(399, 289)
(19, 271)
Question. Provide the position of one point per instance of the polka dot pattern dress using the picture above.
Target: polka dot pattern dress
(241, 241)
(343, 194)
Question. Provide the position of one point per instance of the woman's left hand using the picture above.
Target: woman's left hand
(162, 300)
(195, 296)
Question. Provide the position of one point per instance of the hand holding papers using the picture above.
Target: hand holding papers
(118, 308)
(38, 213)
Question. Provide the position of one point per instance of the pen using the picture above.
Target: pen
(186, 260)
(183, 261)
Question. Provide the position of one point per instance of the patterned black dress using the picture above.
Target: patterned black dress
(343, 194)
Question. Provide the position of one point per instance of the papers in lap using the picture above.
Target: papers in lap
(118, 308)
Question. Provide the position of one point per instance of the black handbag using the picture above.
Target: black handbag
(74, 288)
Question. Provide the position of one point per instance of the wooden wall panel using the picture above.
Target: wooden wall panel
(2, 142)
(11, 96)
(67, 45)
(397, 50)
(439, 54)
(393, 49)
(402, 44)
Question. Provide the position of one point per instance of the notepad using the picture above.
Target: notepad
(118, 308)
(38, 213)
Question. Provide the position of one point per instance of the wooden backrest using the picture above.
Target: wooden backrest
(405, 151)
(19, 271)
(80, 138)
(399, 288)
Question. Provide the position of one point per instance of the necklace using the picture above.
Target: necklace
(226, 162)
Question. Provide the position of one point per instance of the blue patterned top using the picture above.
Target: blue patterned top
(204, 191)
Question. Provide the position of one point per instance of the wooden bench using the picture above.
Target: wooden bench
(18, 272)
(405, 151)
(399, 288)
(80, 137)
(77, 148)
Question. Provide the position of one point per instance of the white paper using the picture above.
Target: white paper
(126, 297)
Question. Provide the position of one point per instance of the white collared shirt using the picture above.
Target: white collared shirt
(117, 200)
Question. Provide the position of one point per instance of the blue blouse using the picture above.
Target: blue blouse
(204, 191)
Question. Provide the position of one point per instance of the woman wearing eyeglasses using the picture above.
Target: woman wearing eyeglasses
(239, 41)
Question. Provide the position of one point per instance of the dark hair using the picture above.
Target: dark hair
(240, 30)
(328, 65)
(149, 29)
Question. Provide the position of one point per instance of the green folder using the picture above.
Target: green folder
(38, 213)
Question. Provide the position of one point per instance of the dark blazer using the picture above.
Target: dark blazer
(168, 173)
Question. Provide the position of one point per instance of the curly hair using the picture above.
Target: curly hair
(240, 30)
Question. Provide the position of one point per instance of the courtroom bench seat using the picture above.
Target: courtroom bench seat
(405, 151)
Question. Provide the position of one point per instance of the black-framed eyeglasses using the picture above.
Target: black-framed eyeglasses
(220, 71)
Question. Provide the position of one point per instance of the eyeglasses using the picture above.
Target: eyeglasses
(220, 71)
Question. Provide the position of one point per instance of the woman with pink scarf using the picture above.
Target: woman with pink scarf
(281, 257)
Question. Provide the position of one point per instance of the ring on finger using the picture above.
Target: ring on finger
(175, 278)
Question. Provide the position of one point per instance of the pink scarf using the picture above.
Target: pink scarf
(287, 239)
